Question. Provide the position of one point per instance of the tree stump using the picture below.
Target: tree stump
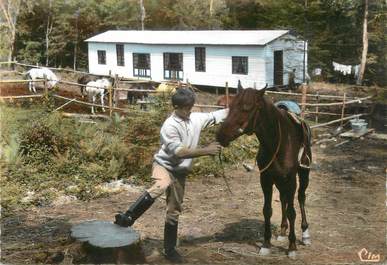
(105, 242)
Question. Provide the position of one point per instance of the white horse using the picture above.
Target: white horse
(98, 87)
(40, 73)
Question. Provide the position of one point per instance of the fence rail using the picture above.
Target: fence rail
(342, 101)
(22, 96)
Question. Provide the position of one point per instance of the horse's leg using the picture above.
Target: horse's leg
(284, 222)
(32, 86)
(267, 188)
(92, 106)
(303, 174)
(102, 103)
(291, 213)
(115, 97)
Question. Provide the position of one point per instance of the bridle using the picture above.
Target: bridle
(243, 130)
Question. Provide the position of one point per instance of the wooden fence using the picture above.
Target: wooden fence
(313, 107)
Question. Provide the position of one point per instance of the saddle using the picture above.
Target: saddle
(293, 110)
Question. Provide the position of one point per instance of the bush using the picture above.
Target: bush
(39, 143)
(49, 155)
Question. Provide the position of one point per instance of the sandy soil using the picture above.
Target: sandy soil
(346, 202)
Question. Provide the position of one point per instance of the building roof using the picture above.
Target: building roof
(196, 37)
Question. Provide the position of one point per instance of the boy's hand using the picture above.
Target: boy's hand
(213, 148)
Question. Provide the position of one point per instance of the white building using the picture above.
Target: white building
(211, 57)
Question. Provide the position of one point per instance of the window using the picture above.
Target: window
(240, 65)
(120, 55)
(141, 64)
(173, 66)
(101, 57)
(200, 59)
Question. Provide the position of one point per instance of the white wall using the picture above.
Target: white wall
(218, 63)
(293, 58)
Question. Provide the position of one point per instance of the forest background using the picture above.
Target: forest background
(52, 32)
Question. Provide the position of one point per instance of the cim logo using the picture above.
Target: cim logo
(366, 256)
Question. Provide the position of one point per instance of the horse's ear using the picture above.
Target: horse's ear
(262, 91)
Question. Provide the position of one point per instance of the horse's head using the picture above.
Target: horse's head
(244, 111)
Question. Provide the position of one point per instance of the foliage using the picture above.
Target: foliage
(242, 150)
(333, 28)
(47, 155)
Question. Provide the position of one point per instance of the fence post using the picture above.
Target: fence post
(303, 101)
(318, 100)
(45, 86)
(110, 101)
(227, 95)
(343, 109)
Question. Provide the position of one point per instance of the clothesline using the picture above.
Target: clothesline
(346, 69)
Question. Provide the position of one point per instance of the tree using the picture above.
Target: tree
(142, 13)
(10, 11)
(365, 45)
(49, 27)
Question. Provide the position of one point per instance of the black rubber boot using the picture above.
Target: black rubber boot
(170, 239)
(135, 211)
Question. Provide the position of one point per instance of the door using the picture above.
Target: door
(278, 68)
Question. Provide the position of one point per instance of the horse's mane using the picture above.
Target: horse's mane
(248, 98)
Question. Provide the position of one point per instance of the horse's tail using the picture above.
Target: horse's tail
(305, 153)
(306, 132)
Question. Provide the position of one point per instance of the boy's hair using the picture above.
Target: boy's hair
(183, 97)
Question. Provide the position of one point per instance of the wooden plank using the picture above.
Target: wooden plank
(308, 95)
(338, 120)
(354, 134)
(359, 100)
(379, 136)
(84, 116)
(22, 96)
(21, 81)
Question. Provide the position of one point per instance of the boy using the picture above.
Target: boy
(179, 145)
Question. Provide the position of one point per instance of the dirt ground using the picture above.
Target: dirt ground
(345, 207)
(346, 210)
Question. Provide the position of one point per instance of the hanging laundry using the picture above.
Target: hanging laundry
(317, 71)
(346, 69)
(355, 70)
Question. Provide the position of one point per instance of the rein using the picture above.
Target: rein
(279, 141)
(224, 174)
(276, 151)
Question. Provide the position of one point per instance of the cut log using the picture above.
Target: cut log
(105, 242)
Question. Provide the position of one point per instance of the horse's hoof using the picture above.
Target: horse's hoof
(306, 237)
(292, 254)
(282, 238)
(306, 241)
(264, 251)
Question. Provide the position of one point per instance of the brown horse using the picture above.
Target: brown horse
(285, 150)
